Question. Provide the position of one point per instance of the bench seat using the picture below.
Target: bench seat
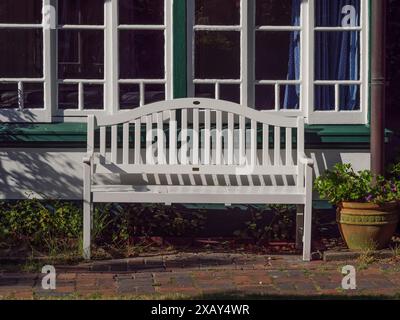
(199, 194)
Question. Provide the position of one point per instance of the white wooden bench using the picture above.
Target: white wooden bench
(199, 151)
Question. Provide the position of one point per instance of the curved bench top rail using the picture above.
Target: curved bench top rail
(198, 103)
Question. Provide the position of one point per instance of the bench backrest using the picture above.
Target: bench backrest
(196, 137)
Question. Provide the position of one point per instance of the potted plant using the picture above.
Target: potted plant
(367, 208)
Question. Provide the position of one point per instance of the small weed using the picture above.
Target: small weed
(366, 259)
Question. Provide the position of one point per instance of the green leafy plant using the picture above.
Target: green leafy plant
(278, 223)
(122, 222)
(344, 184)
(51, 225)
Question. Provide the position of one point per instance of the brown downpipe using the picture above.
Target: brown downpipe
(378, 85)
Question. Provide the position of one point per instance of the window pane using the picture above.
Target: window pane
(33, 96)
(217, 55)
(8, 95)
(129, 96)
(278, 13)
(205, 91)
(93, 96)
(154, 93)
(81, 12)
(22, 57)
(277, 55)
(217, 12)
(80, 54)
(334, 13)
(324, 98)
(21, 11)
(265, 98)
(290, 97)
(141, 54)
(337, 55)
(141, 12)
(230, 92)
(68, 96)
(349, 98)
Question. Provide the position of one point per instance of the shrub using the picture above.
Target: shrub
(344, 184)
(38, 223)
(120, 222)
(276, 224)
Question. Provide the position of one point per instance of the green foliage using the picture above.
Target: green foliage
(121, 222)
(268, 225)
(344, 184)
(57, 226)
(39, 223)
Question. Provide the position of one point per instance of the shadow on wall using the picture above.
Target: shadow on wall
(15, 115)
(54, 173)
(326, 159)
(57, 173)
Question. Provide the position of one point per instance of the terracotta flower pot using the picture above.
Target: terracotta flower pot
(367, 225)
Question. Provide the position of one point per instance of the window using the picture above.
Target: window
(113, 55)
(217, 40)
(277, 55)
(69, 58)
(80, 62)
(65, 59)
(340, 57)
(22, 79)
(289, 56)
(141, 52)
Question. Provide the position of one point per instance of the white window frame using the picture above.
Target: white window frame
(307, 29)
(111, 81)
(340, 116)
(48, 80)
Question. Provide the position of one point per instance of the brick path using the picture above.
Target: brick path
(205, 276)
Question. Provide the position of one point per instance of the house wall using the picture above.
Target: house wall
(57, 173)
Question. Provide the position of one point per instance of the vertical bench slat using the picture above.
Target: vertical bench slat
(253, 144)
(103, 143)
(218, 159)
(289, 146)
(231, 130)
(207, 137)
(125, 146)
(149, 139)
(137, 141)
(266, 159)
(196, 134)
(172, 137)
(277, 146)
(184, 137)
(114, 143)
(242, 140)
(160, 139)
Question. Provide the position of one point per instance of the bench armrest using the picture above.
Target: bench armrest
(303, 159)
(87, 159)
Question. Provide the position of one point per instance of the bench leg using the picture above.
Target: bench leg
(307, 233)
(308, 216)
(299, 227)
(87, 226)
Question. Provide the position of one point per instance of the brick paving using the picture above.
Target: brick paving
(206, 275)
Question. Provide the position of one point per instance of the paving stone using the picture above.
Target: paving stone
(327, 285)
(305, 286)
(66, 276)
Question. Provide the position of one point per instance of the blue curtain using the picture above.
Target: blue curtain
(292, 93)
(336, 55)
